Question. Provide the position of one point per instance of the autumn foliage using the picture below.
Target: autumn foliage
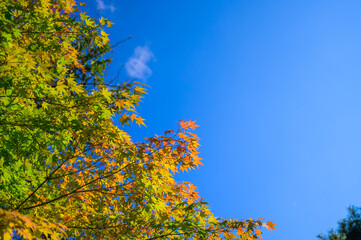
(66, 168)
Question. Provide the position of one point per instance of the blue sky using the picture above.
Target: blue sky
(274, 85)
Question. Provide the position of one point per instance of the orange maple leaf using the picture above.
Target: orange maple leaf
(271, 225)
(184, 125)
(192, 125)
(259, 233)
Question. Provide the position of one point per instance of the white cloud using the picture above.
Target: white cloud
(103, 6)
(136, 66)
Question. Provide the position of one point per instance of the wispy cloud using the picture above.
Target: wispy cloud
(136, 66)
(103, 6)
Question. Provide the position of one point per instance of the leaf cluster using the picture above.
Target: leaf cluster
(66, 168)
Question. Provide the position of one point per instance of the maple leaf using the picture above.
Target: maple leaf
(192, 125)
(270, 225)
(258, 233)
(184, 125)
(193, 135)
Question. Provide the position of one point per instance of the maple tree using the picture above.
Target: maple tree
(66, 169)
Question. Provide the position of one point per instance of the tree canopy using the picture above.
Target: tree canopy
(66, 168)
(349, 228)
